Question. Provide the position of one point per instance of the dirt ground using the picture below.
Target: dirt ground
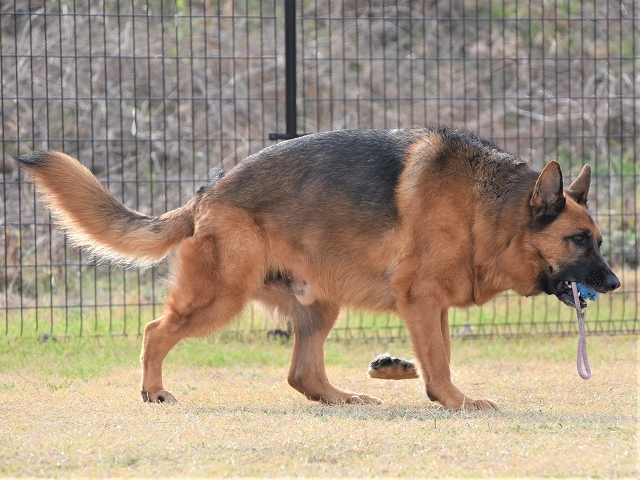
(242, 418)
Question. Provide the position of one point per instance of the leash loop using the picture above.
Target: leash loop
(582, 359)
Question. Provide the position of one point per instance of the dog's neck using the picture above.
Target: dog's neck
(500, 250)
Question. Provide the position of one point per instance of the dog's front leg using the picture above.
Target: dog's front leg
(429, 331)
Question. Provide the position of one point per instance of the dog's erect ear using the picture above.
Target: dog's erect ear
(579, 188)
(548, 197)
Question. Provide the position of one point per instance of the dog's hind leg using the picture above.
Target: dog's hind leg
(207, 294)
(161, 335)
(307, 374)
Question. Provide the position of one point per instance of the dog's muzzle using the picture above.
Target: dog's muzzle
(565, 295)
(601, 283)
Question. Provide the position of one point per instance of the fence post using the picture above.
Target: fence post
(290, 86)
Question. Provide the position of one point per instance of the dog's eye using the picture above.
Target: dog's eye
(580, 239)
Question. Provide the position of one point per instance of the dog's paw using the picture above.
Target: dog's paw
(392, 368)
(161, 396)
(481, 404)
(350, 398)
(362, 399)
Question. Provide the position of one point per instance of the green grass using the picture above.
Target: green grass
(71, 408)
(508, 315)
(89, 358)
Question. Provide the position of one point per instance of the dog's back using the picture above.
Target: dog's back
(349, 179)
(300, 180)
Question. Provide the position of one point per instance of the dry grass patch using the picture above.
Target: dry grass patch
(242, 419)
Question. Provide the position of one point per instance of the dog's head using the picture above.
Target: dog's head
(566, 236)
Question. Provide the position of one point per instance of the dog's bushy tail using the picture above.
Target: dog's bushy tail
(93, 218)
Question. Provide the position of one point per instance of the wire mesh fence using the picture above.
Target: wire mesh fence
(155, 95)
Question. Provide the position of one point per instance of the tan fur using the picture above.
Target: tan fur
(234, 244)
(93, 218)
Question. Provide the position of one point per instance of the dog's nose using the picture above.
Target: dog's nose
(611, 282)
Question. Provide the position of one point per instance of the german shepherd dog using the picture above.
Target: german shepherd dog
(409, 221)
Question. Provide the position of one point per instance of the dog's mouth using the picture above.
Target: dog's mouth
(565, 294)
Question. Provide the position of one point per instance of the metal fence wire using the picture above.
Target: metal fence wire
(152, 95)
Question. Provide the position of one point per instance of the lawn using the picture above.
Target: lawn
(71, 408)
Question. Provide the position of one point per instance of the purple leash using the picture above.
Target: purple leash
(583, 359)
